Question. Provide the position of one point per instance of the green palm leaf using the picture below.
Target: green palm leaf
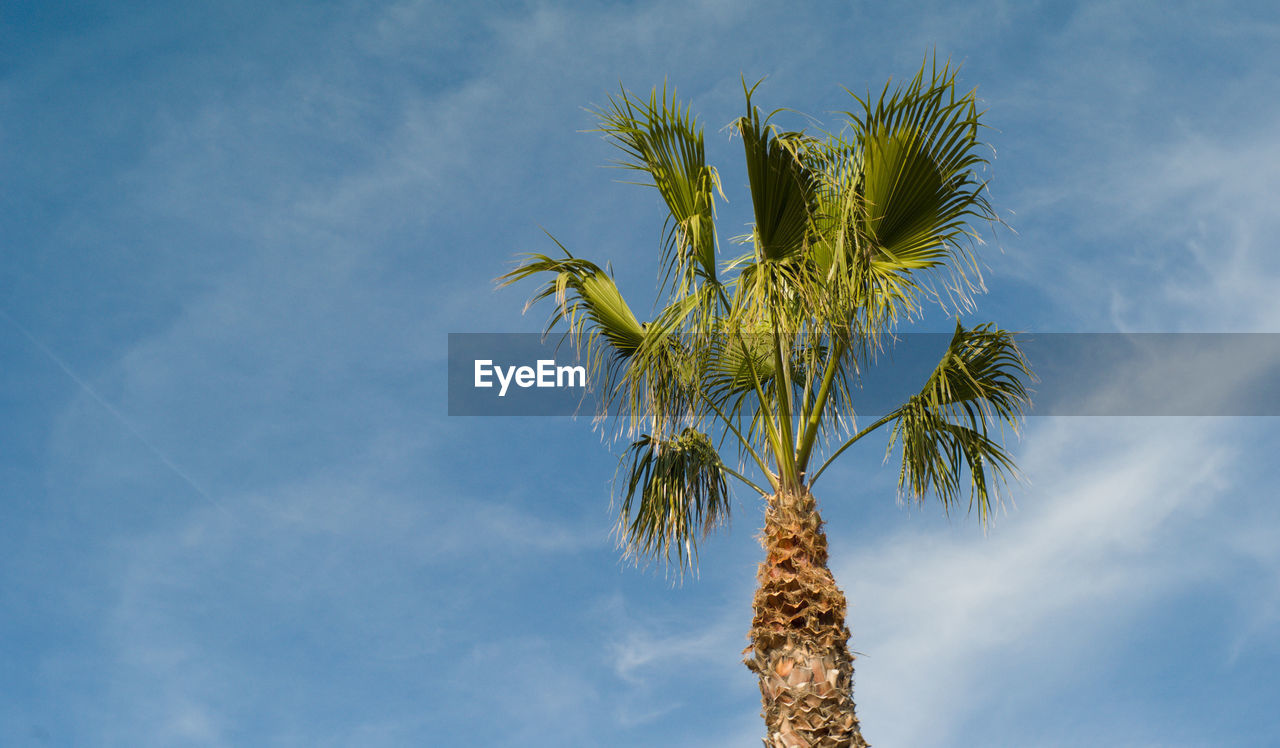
(919, 153)
(782, 189)
(646, 370)
(944, 430)
(586, 299)
(676, 492)
(661, 139)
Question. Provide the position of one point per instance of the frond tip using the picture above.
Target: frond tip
(676, 493)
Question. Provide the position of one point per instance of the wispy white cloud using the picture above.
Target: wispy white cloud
(308, 588)
(1114, 524)
(647, 648)
(1208, 200)
(679, 664)
(1138, 157)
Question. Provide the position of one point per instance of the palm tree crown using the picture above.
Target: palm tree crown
(766, 348)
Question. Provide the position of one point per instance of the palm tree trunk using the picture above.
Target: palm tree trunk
(799, 640)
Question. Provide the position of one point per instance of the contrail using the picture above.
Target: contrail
(118, 415)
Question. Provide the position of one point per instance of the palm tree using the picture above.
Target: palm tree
(854, 233)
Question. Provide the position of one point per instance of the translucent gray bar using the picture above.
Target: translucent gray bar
(1084, 374)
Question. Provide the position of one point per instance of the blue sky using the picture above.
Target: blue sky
(234, 512)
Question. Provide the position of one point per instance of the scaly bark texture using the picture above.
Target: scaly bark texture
(799, 641)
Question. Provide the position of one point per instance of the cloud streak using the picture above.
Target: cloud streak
(1112, 528)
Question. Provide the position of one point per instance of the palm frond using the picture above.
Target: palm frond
(647, 371)
(660, 138)
(658, 385)
(945, 430)
(738, 360)
(919, 154)
(782, 189)
(676, 493)
(587, 300)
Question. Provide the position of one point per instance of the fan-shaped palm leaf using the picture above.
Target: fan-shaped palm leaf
(661, 138)
(919, 152)
(782, 189)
